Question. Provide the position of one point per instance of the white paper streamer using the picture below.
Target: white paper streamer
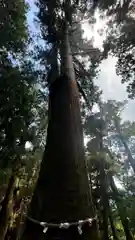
(43, 224)
(45, 229)
(90, 221)
(65, 225)
(79, 229)
(80, 222)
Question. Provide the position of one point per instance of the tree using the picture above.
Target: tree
(103, 165)
(13, 25)
(16, 99)
(62, 191)
(15, 118)
(120, 39)
(121, 131)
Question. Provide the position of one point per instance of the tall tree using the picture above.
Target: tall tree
(120, 131)
(104, 168)
(62, 192)
(16, 97)
(15, 120)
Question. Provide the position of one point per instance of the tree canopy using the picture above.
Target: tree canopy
(34, 99)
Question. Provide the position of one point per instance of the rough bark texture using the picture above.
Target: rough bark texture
(62, 192)
(7, 208)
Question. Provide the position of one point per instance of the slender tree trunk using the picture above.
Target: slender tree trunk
(14, 231)
(21, 220)
(122, 212)
(104, 186)
(130, 158)
(106, 208)
(62, 192)
(114, 233)
(104, 200)
(7, 207)
(104, 196)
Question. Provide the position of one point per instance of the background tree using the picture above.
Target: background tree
(120, 39)
(108, 166)
(18, 99)
(30, 66)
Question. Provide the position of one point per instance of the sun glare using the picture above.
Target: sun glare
(97, 32)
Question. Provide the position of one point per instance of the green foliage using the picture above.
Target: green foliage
(51, 19)
(16, 101)
(105, 162)
(120, 43)
(128, 129)
(13, 24)
(23, 106)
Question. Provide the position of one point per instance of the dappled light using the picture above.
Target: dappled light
(67, 139)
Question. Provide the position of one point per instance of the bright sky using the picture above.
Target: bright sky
(108, 81)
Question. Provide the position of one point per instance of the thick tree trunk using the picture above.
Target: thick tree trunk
(7, 208)
(62, 192)
(122, 212)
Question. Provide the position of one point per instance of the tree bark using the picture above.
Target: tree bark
(62, 192)
(104, 196)
(104, 200)
(114, 233)
(121, 211)
(7, 207)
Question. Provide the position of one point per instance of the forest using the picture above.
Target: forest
(67, 155)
